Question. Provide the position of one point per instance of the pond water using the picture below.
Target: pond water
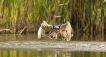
(49, 52)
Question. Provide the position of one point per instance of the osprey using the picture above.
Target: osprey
(58, 32)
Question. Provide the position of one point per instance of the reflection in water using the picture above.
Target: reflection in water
(28, 37)
(49, 53)
(43, 52)
(33, 37)
(13, 37)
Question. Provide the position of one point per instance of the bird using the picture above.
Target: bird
(63, 31)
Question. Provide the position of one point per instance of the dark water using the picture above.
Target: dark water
(42, 52)
(49, 53)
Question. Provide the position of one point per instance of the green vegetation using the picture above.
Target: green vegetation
(50, 53)
(88, 17)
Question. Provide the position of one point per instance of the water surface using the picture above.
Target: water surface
(49, 53)
(44, 52)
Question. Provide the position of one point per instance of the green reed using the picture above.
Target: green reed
(87, 16)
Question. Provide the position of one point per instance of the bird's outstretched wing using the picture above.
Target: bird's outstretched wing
(46, 26)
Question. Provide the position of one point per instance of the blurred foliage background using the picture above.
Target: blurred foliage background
(87, 17)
